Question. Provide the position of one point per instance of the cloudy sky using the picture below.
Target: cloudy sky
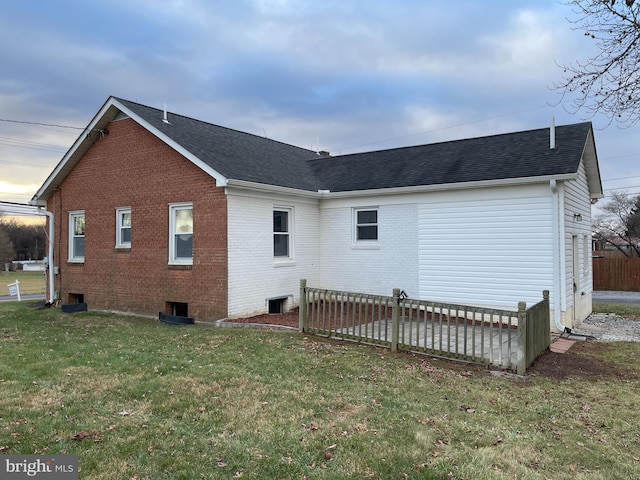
(343, 75)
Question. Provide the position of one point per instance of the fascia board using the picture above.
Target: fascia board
(449, 186)
(266, 188)
(221, 180)
(72, 156)
(104, 116)
(591, 166)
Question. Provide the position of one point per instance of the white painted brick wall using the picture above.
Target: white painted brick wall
(346, 265)
(254, 276)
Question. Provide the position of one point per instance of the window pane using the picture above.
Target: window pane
(78, 247)
(78, 225)
(184, 220)
(367, 216)
(125, 235)
(368, 233)
(280, 245)
(184, 246)
(280, 221)
(126, 219)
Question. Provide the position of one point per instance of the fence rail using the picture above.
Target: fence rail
(510, 340)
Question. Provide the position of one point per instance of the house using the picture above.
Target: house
(154, 211)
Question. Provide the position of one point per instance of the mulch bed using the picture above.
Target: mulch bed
(289, 319)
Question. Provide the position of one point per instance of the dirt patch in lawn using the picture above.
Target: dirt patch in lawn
(585, 360)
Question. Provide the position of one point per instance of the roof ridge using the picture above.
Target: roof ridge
(454, 141)
(204, 122)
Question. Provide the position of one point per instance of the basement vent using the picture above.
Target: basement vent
(177, 308)
(277, 305)
(76, 298)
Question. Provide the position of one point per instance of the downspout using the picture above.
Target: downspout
(50, 253)
(557, 258)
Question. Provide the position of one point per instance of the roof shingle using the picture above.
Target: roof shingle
(243, 156)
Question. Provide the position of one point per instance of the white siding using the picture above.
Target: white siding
(369, 269)
(254, 276)
(577, 202)
(490, 247)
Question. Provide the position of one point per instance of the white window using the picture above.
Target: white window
(76, 236)
(181, 233)
(366, 225)
(123, 228)
(282, 242)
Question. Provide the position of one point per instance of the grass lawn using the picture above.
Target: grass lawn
(627, 311)
(136, 399)
(30, 282)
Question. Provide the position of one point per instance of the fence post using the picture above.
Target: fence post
(547, 325)
(302, 308)
(394, 320)
(522, 338)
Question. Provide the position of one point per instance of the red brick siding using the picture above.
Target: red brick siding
(129, 167)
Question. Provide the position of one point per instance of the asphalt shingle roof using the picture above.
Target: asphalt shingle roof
(234, 154)
(507, 156)
(242, 156)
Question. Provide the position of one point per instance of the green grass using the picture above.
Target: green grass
(30, 282)
(134, 398)
(628, 311)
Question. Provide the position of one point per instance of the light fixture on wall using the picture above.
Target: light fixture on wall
(577, 217)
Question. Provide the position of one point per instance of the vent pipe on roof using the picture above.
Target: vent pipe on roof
(552, 134)
(165, 118)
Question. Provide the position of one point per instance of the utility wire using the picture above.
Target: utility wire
(23, 122)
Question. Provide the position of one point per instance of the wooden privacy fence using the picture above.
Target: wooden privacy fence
(616, 273)
(510, 340)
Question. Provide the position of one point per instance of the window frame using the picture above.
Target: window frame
(357, 225)
(288, 233)
(173, 209)
(120, 227)
(72, 257)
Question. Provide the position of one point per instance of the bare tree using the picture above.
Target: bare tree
(608, 83)
(616, 225)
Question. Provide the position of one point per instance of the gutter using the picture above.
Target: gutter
(321, 194)
(50, 266)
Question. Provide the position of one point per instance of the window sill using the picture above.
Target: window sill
(75, 262)
(366, 246)
(284, 263)
(180, 266)
(123, 249)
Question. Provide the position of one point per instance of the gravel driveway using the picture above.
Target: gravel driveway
(611, 327)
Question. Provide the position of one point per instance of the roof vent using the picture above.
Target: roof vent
(552, 134)
(324, 153)
(165, 117)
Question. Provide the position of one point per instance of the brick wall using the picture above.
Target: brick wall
(129, 167)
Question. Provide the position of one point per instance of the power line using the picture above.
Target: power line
(23, 122)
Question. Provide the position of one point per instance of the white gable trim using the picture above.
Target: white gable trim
(221, 180)
(83, 143)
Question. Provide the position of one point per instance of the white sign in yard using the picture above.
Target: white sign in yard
(14, 289)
